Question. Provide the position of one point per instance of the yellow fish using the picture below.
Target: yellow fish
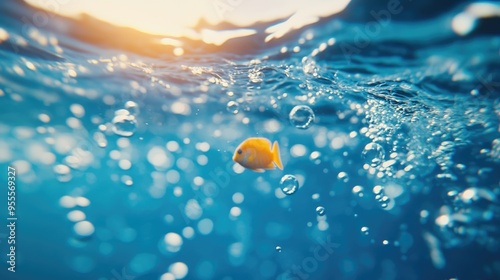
(255, 153)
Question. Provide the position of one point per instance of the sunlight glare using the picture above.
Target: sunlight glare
(181, 18)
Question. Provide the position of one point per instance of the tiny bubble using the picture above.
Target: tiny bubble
(343, 176)
(233, 107)
(132, 107)
(378, 189)
(365, 230)
(320, 210)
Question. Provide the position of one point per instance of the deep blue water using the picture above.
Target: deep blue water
(123, 151)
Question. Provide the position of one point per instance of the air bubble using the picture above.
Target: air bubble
(373, 154)
(179, 270)
(76, 216)
(378, 189)
(100, 139)
(63, 172)
(301, 116)
(77, 110)
(278, 249)
(62, 169)
(84, 228)
(289, 184)
(365, 230)
(132, 107)
(344, 177)
(124, 124)
(384, 199)
(233, 107)
(173, 242)
(320, 210)
(358, 190)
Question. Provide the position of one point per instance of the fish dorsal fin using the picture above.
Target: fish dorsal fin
(276, 155)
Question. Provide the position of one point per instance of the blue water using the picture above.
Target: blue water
(123, 151)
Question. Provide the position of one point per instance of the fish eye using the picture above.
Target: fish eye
(240, 151)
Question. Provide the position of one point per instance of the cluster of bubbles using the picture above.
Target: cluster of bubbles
(82, 227)
(380, 196)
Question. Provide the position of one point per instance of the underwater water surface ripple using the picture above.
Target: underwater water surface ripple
(388, 131)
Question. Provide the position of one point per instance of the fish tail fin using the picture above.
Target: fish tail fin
(276, 155)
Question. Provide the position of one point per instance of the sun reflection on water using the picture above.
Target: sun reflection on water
(213, 21)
